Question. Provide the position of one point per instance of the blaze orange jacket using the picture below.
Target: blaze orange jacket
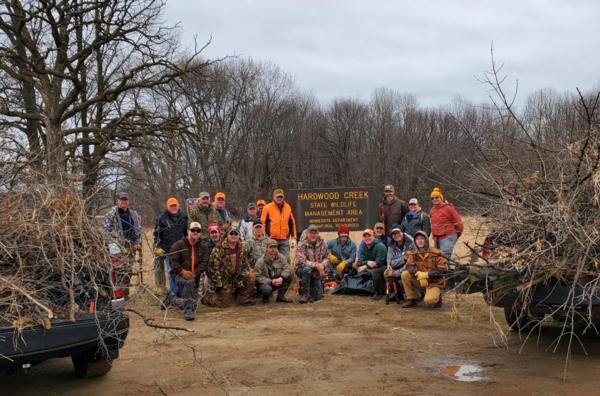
(278, 223)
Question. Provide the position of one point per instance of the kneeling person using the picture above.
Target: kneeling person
(425, 269)
(311, 261)
(273, 273)
(229, 274)
(186, 267)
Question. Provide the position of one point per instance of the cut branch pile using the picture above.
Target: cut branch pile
(546, 224)
(53, 260)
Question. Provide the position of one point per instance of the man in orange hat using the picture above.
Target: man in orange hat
(170, 227)
(260, 204)
(219, 204)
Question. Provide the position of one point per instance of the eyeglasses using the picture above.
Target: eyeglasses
(196, 230)
(435, 198)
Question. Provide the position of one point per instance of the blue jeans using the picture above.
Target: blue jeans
(446, 245)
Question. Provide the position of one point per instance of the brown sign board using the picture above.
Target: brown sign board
(327, 208)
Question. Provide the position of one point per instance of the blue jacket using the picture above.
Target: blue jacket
(343, 252)
(396, 255)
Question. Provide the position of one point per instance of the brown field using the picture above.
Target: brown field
(341, 345)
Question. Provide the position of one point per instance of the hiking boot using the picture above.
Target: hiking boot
(248, 303)
(304, 299)
(265, 299)
(311, 300)
(282, 299)
(167, 302)
(409, 304)
(189, 315)
(376, 297)
(438, 304)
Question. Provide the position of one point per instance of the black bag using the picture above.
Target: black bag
(360, 284)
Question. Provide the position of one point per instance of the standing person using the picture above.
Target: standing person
(424, 274)
(256, 245)
(123, 225)
(185, 268)
(205, 214)
(392, 209)
(248, 220)
(220, 200)
(372, 258)
(273, 273)
(446, 227)
(260, 204)
(229, 275)
(311, 261)
(170, 227)
(446, 224)
(342, 253)
(279, 222)
(415, 220)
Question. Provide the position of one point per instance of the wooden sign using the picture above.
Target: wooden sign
(328, 208)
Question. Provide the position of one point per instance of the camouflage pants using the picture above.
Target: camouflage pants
(226, 297)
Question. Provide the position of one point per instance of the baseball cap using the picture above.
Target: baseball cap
(367, 232)
(204, 194)
(413, 201)
(388, 187)
(257, 223)
(251, 205)
(220, 195)
(172, 201)
(278, 192)
(312, 227)
(272, 242)
(195, 224)
(378, 225)
(261, 202)
(122, 195)
(396, 228)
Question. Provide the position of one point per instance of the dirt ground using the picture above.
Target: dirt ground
(340, 345)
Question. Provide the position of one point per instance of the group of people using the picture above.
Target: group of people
(210, 259)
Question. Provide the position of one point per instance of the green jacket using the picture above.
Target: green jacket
(204, 216)
(221, 273)
(267, 269)
(376, 252)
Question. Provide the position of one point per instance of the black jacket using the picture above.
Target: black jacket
(169, 229)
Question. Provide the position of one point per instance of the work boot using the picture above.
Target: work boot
(376, 297)
(167, 302)
(248, 303)
(304, 298)
(409, 304)
(438, 304)
(265, 299)
(281, 299)
(189, 310)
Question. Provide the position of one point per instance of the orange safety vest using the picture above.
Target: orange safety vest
(277, 222)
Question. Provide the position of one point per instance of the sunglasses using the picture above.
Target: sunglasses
(196, 230)
(214, 232)
(234, 233)
(435, 198)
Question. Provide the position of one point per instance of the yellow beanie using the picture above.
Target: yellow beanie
(437, 193)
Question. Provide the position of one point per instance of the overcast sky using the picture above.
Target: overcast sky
(432, 49)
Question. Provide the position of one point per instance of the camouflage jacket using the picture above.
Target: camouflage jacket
(310, 255)
(205, 216)
(267, 269)
(221, 272)
(256, 248)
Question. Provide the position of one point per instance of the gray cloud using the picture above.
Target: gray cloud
(432, 49)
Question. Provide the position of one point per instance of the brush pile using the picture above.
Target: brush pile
(544, 211)
(53, 259)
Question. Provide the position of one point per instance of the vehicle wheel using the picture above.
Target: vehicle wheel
(518, 319)
(87, 366)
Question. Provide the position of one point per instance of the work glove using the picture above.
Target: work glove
(333, 260)
(341, 267)
(187, 275)
(159, 251)
(422, 277)
(388, 273)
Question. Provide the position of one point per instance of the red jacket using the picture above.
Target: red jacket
(445, 221)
